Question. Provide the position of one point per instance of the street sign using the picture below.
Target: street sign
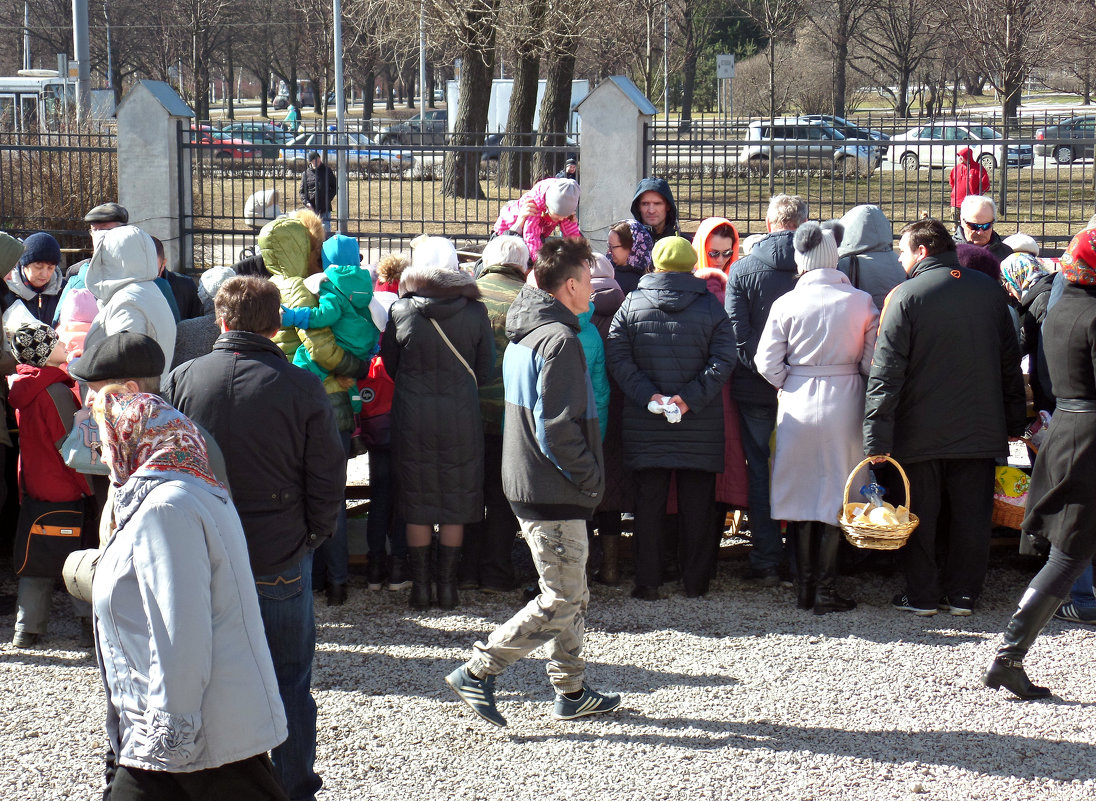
(724, 66)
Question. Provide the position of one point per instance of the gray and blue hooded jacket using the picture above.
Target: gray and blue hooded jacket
(551, 443)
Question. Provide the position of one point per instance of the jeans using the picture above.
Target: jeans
(967, 486)
(758, 424)
(35, 597)
(383, 532)
(556, 618)
(1082, 592)
(285, 601)
(333, 556)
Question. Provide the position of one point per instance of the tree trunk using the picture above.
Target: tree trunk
(368, 95)
(902, 104)
(772, 111)
(231, 83)
(264, 89)
(430, 84)
(477, 68)
(555, 108)
(515, 168)
(201, 90)
(840, 74)
(688, 83)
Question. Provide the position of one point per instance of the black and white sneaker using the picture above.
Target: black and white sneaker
(957, 605)
(477, 693)
(591, 702)
(902, 603)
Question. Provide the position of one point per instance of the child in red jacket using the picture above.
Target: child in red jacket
(42, 472)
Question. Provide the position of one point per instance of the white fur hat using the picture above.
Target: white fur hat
(435, 251)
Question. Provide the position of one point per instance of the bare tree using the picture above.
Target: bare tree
(840, 22)
(903, 34)
(696, 23)
(524, 28)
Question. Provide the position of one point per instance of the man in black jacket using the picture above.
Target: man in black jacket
(318, 188)
(653, 205)
(753, 284)
(977, 216)
(552, 474)
(944, 395)
(278, 434)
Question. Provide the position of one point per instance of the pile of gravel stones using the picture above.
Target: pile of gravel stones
(737, 695)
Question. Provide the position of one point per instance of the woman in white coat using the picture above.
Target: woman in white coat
(192, 700)
(816, 348)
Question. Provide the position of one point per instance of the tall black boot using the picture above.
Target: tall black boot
(448, 559)
(419, 561)
(826, 598)
(1007, 668)
(610, 559)
(804, 558)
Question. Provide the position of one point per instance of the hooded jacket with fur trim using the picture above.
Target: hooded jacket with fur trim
(437, 432)
(120, 275)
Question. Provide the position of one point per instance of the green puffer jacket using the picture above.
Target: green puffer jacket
(498, 287)
(284, 244)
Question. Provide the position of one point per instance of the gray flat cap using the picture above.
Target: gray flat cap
(107, 212)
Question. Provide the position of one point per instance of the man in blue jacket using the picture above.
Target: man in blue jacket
(753, 284)
(552, 475)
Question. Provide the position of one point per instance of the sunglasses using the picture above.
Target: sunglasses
(979, 226)
(715, 254)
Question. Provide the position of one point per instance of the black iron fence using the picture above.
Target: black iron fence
(396, 192)
(1041, 176)
(48, 181)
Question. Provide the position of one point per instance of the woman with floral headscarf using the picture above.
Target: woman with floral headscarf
(192, 699)
(1062, 497)
(630, 247)
(1028, 282)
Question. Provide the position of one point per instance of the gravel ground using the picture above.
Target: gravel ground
(734, 696)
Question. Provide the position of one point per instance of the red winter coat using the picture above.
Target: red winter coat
(968, 177)
(42, 472)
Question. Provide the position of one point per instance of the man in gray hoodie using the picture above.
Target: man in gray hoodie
(867, 252)
(552, 475)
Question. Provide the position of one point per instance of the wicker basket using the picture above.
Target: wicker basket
(1007, 514)
(870, 535)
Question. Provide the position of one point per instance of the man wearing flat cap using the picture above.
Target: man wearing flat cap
(318, 187)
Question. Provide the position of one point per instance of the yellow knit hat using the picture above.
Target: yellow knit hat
(674, 254)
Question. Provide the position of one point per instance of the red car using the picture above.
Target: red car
(221, 146)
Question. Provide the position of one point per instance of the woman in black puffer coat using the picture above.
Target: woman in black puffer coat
(437, 434)
(672, 338)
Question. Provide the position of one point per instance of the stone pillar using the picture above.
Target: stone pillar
(613, 118)
(154, 183)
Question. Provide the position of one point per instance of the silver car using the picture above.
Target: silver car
(803, 143)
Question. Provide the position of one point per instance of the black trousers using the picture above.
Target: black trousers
(1060, 572)
(953, 497)
(695, 499)
(487, 554)
(250, 779)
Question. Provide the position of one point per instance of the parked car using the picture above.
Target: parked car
(1055, 140)
(852, 131)
(361, 152)
(417, 130)
(804, 143)
(221, 145)
(492, 148)
(269, 137)
(936, 144)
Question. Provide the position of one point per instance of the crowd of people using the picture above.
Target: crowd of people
(200, 434)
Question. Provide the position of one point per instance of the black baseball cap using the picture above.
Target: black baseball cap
(122, 355)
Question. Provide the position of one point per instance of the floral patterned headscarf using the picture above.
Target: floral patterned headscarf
(1019, 271)
(639, 259)
(148, 437)
(1079, 260)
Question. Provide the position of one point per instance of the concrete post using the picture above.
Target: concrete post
(613, 118)
(154, 183)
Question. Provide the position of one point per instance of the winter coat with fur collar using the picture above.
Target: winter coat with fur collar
(437, 434)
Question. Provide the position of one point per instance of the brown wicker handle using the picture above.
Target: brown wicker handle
(855, 470)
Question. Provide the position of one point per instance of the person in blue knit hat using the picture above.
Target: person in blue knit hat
(36, 281)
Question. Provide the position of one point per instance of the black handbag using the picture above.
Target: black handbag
(46, 534)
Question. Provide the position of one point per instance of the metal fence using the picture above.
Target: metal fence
(395, 193)
(48, 181)
(1041, 176)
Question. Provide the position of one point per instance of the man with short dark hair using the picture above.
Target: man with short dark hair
(318, 188)
(944, 395)
(753, 284)
(278, 434)
(183, 289)
(552, 475)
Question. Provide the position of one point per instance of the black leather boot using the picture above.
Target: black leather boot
(804, 564)
(826, 598)
(1007, 668)
(419, 561)
(448, 559)
(610, 559)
